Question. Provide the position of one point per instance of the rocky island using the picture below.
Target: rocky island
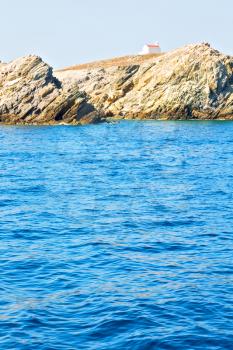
(193, 82)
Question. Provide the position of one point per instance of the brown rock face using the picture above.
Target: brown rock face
(194, 82)
(30, 94)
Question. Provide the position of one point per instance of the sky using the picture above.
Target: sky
(67, 32)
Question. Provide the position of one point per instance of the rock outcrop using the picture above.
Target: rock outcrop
(194, 82)
(30, 94)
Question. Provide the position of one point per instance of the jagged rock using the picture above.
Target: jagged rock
(29, 93)
(195, 81)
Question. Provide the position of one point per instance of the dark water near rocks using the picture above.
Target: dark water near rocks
(117, 236)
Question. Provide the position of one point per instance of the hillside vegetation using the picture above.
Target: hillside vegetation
(116, 61)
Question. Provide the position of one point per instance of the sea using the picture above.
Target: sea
(117, 236)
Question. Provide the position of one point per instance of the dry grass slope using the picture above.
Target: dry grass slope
(117, 61)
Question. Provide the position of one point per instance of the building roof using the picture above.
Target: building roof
(152, 45)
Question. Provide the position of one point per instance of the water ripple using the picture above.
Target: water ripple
(116, 236)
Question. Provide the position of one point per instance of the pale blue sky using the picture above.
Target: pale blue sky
(66, 32)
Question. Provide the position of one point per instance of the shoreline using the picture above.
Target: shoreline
(112, 120)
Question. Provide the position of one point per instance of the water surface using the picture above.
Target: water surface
(117, 236)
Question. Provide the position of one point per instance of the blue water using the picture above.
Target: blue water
(117, 236)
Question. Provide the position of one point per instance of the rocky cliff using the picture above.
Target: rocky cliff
(194, 82)
(30, 94)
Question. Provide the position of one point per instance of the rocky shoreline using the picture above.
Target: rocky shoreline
(193, 82)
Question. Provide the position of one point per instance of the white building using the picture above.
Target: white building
(150, 48)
